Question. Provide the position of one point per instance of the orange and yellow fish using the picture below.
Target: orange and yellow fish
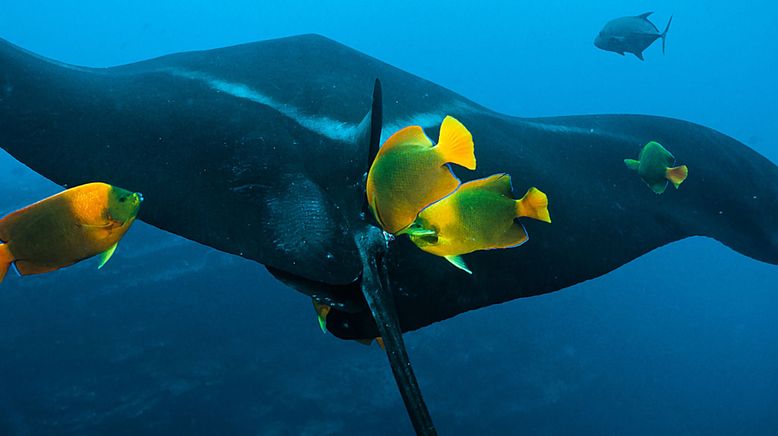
(409, 173)
(480, 215)
(66, 228)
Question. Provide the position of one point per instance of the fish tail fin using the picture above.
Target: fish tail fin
(664, 34)
(677, 175)
(455, 143)
(5, 260)
(534, 204)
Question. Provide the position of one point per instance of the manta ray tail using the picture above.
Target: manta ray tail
(375, 288)
(377, 293)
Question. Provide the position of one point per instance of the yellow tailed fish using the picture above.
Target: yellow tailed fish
(480, 215)
(68, 227)
(409, 173)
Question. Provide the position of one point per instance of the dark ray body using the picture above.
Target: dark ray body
(256, 150)
(261, 150)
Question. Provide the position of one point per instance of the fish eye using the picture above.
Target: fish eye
(121, 199)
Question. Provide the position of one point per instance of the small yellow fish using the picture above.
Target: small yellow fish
(409, 173)
(480, 215)
(63, 229)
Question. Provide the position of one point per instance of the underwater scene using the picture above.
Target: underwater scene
(337, 218)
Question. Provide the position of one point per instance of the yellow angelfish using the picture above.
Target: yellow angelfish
(480, 215)
(409, 173)
(63, 229)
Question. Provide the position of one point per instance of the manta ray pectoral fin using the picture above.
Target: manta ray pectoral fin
(380, 300)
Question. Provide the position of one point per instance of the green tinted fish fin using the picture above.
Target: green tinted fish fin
(659, 188)
(322, 310)
(632, 164)
(106, 255)
(458, 262)
(323, 324)
(416, 232)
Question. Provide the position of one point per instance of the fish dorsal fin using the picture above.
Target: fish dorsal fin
(106, 255)
(409, 135)
(498, 182)
(655, 147)
(645, 15)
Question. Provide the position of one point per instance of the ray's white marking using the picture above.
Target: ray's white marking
(332, 129)
(325, 126)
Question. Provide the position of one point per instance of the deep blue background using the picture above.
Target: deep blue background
(172, 336)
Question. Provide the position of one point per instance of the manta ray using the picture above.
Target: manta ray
(261, 150)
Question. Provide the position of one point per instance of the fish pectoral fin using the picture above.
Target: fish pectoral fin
(677, 175)
(106, 255)
(26, 268)
(458, 262)
(417, 232)
(632, 164)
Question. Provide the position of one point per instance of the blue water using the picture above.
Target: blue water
(172, 337)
